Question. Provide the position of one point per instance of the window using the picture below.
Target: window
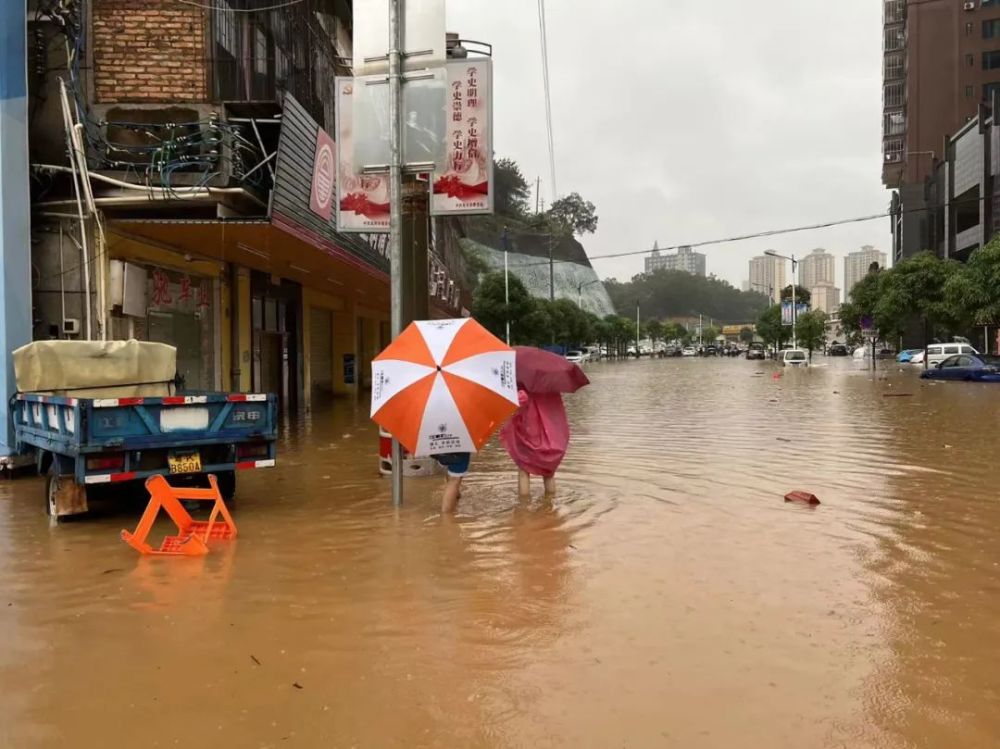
(989, 91)
(991, 29)
(988, 3)
(952, 361)
(895, 11)
(970, 60)
(991, 60)
(968, 92)
(894, 67)
(968, 29)
(893, 123)
(893, 150)
(951, 349)
(894, 95)
(895, 39)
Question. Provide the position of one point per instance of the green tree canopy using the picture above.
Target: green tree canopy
(491, 311)
(802, 294)
(770, 329)
(973, 293)
(573, 215)
(511, 189)
(673, 293)
(810, 330)
(654, 329)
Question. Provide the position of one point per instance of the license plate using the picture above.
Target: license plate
(184, 463)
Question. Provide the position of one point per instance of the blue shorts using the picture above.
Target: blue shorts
(456, 463)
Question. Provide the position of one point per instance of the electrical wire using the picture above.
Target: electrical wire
(762, 234)
(548, 96)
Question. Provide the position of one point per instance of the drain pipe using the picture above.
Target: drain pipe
(84, 250)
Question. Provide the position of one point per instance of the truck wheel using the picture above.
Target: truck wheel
(227, 485)
(51, 487)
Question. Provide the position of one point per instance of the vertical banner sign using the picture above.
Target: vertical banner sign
(466, 185)
(786, 311)
(362, 199)
(324, 176)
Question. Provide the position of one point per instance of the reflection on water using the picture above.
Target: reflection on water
(667, 596)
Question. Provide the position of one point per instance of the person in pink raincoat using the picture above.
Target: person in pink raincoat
(536, 438)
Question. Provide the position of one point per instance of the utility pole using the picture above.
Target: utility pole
(538, 194)
(637, 355)
(506, 283)
(396, 287)
(552, 277)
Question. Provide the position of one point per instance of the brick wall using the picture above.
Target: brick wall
(148, 51)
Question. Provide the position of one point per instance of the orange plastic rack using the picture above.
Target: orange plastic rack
(193, 535)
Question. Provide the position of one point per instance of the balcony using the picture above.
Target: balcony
(894, 11)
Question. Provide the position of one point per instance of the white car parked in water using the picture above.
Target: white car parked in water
(794, 357)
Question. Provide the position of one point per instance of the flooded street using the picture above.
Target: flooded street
(666, 597)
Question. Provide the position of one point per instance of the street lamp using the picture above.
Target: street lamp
(506, 283)
(579, 290)
(795, 262)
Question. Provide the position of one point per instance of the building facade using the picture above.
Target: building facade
(825, 297)
(767, 276)
(941, 66)
(856, 265)
(685, 259)
(816, 268)
(200, 136)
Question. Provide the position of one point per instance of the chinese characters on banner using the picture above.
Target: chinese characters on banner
(362, 199)
(466, 186)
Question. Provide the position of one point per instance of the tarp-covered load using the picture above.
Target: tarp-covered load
(96, 369)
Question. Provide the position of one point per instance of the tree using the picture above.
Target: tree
(973, 293)
(673, 331)
(746, 335)
(490, 310)
(802, 294)
(673, 293)
(709, 334)
(654, 329)
(573, 215)
(512, 190)
(810, 330)
(769, 327)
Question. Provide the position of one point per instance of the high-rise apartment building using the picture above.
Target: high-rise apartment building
(941, 62)
(824, 296)
(767, 276)
(816, 268)
(856, 265)
(684, 259)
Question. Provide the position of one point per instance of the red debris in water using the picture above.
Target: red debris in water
(776, 376)
(803, 498)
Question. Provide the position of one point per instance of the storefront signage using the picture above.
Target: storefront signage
(324, 176)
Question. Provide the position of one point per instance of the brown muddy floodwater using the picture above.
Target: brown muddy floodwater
(667, 597)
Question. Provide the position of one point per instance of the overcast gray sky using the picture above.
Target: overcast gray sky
(688, 120)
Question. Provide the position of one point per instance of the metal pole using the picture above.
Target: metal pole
(637, 330)
(795, 341)
(506, 284)
(395, 215)
(552, 278)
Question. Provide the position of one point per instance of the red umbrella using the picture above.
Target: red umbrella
(541, 371)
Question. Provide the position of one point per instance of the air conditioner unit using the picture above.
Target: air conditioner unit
(970, 5)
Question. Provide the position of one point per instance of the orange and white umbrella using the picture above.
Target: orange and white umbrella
(444, 386)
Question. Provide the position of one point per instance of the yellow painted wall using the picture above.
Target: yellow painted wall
(345, 328)
(243, 299)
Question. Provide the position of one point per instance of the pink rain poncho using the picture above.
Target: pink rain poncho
(536, 437)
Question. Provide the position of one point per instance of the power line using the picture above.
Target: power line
(767, 233)
(548, 96)
(230, 9)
